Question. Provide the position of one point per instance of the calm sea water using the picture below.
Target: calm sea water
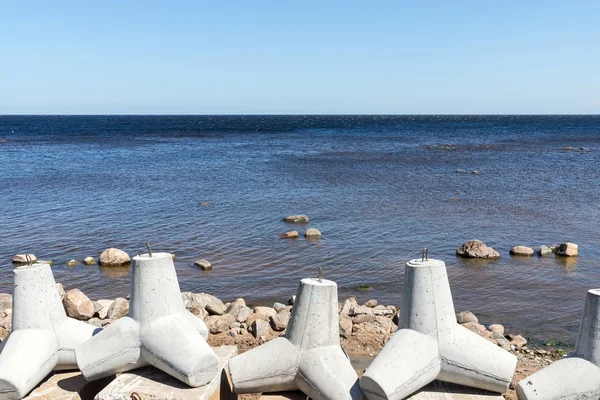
(378, 187)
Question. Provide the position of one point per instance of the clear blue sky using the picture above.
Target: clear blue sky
(280, 57)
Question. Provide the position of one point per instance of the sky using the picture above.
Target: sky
(301, 57)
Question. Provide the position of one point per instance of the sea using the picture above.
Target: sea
(379, 188)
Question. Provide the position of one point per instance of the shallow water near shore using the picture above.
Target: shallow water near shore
(380, 188)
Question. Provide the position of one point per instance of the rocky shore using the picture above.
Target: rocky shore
(364, 328)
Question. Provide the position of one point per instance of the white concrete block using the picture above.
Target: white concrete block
(308, 357)
(577, 377)
(158, 331)
(151, 383)
(431, 345)
(43, 338)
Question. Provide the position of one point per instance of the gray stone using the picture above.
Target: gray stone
(105, 306)
(72, 263)
(348, 305)
(466, 316)
(259, 327)
(22, 258)
(567, 249)
(78, 305)
(219, 323)
(264, 312)
(371, 303)
(290, 235)
(544, 250)
(496, 329)
(119, 308)
(312, 233)
(202, 300)
(476, 249)
(89, 261)
(280, 321)
(296, 219)
(521, 251)
(345, 326)
(504, 343)
(361, 318)
(203, 264)
(279, 306)
(114, 257)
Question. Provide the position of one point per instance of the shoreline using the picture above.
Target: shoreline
(364, 328)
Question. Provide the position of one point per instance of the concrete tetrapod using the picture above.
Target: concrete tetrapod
(430, 344)
(577, 376)
(158, 331)
(42, 338)
(308, 357)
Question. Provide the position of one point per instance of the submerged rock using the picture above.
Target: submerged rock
(567, 249)
(296, 219)
(22, 258)
(476, 249)
(544, 250)
(521, 251)
(114, 257)
(290, 235)
(89, 261)
(312, 233)
(72, 263)
(203, 264)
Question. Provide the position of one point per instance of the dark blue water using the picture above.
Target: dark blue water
(378, 187)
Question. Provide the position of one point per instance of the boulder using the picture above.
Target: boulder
(362, 318)
(89, 261)
(203, 300)
(371, 303)
(504, 343)
(203, 264)
(279, 306)
(114, 257)
(78, 305)
(476, 249)
(464, 317)
(215, 308)
(475, 327)
(219, 323)
(264, 313)
(280, 320)
(345, 326)
(119, 308)
(496, 329)
(517, 340)
(240, 300)
(259, 327)
(243, 314)
(22, 258)
(290, 235)
(544, 250)
(521, 251)
(296, 219)
(5, 301)
(102, 314)
(567, 249)
(348, 305)
(312, 233)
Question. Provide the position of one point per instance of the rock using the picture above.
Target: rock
(264, 312)
(61, 291)
(496, 329)
(5, 301)
(215, 308)
(118, 309)
(89, 261)
(371, 303)
(49, 262)
(460, 171)
(259, 328)
(521, 251)
(203, 264)
(312, 233)
(544, 250)
(280, 320)
(78, 305)
(475, 172)
(105, 306)
(72, 263)
(279, 306)
(240, 300)
(290, 235)
(292, 300)
(476, 249)
(348, 305)
(296, 219)
(243, 315)
(474, 327)
(567, 249)
(504, 343)
(517, 340)
(114, 257)
(206, 301)
(219, 323)
(95, 321)
(466, 316)
(362, 318)
(22, 258)
(345, 326)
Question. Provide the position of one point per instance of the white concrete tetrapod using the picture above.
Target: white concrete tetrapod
(430, 344)
(308, 357)
(42, 338)
(577, 376)
(158, 331)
